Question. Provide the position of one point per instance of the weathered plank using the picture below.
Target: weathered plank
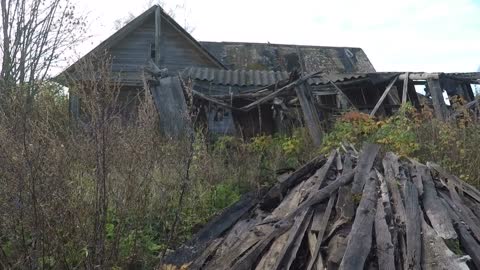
(288, 205)
(275, 195)
(360, 238)
(365, 163)
(413, 227)
(390, 166)
(316, 258)
(385, 248)
(336, 247)
(416, 172)
(435, 211)
(468, 243)
(316, 181)
(466, 215)
(436, 254)
(344, 209)
(295, 238)
(465, 187)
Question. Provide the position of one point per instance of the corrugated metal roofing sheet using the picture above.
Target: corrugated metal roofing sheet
(324, 79)
(236, 77)
(259, 77)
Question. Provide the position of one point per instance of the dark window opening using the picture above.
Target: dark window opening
(152, 50)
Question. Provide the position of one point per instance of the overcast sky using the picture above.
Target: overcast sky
(406, 35)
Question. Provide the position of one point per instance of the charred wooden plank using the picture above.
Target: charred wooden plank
(208, 252)
(360, 238)
(364, 166)
(212, 230)
(413, 227)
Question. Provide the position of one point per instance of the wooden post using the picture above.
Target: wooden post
(158, 34)
(310, 113)
(437, 98)
(384, 95)
(74, 106)
(405, 89)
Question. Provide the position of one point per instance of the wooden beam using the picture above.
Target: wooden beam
(437, 98)
(405, 88)
(342, 94)
(310, 113)
(384, 95)
(158, 34)
(420, 76)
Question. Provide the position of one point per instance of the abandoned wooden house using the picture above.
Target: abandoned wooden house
(251, 88)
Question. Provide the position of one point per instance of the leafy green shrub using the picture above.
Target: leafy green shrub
(395, 133)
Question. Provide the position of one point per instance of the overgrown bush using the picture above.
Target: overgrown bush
(453, 144)
(105, 193)
(396, 133)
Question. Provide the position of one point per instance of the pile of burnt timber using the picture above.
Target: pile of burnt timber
(347, 211)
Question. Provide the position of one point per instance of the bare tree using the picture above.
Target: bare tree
(35, 35)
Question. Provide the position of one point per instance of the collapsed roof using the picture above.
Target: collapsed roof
(282, 57)
(346, 211)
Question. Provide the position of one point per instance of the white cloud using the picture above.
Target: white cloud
(423, 35)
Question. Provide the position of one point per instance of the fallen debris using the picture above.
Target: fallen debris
(347, 211)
